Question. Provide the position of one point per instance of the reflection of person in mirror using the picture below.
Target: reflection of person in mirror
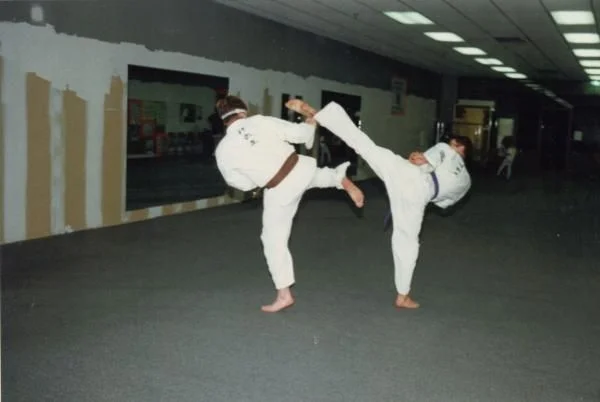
(509, 151)
(257, 152)
(324, 153)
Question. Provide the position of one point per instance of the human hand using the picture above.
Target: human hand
(417, 158)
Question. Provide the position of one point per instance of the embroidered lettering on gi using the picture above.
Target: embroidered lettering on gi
(247, 136)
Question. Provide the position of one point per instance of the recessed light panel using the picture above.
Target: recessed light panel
(595, 77)
(444, 36)
(587, 52)
(517, 76)
(590, 63)
(409, 17)
(573, 17)
(503, 69)
(489, 62)
(593, 71)
(470, 51)
(587, 37)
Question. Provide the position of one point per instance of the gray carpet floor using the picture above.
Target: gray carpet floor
(168, 309)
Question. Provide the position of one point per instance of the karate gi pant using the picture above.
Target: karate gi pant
(280, 205)
(409, 190)
(506, 164)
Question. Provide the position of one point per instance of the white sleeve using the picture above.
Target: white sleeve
(436, 154)
(295, 133)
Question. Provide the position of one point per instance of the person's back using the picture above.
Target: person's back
(256, 147)
(451, 173)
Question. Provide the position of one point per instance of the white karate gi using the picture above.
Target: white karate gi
(251, 153)
(410, 188)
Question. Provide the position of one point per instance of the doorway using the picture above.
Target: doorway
(331, 150)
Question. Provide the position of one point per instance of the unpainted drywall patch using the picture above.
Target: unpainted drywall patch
(138, 215)
(267, 108)
(188, 206)
(38, 157)
(75, 127)
(168, 210)
(113, 155)
(57, 160)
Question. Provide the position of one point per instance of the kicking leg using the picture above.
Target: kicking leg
(335, 119)
(327, 178)
(277, 227)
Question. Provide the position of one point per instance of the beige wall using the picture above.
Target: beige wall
(62, 126)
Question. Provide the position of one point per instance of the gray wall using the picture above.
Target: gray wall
(211, 30)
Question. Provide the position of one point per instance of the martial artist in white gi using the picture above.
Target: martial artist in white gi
(256, 152)
(439, 175)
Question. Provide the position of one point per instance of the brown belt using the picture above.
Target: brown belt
(285, 169)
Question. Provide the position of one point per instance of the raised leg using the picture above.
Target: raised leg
(327, 178)
(335, 119)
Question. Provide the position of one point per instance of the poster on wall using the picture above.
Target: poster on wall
(287, 114)
(398, 96)
(187, 113)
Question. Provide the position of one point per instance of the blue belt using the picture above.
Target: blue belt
(436, 191)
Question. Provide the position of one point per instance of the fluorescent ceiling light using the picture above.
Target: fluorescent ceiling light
(489, 62)
(504, 69)
(409, 17)
(587, 52)
(595, 77)
(590, 63)
(582, 37)
(444, 36)
(573, 17)
(470, 51)
(518, 76)
(596, 83)
(593, 71)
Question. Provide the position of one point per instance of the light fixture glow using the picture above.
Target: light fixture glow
(572, 37)
(489, 62)
(592, 71)
(573, 17)
(409, 17)
(595, 83)
(590, 63)
(517, 76)
(587, 52)
(470, 51)
(503, 69)
(444, 36)
(595, 77)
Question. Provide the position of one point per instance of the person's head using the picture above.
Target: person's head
(461, 144)
(231, 108)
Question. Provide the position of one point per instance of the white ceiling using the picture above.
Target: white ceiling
(543, 54)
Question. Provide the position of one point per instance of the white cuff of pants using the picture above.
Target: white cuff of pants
(340, 174)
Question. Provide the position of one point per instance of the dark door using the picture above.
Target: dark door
(340, 152)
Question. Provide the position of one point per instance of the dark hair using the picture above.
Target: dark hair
(227, 104)
(465, 142)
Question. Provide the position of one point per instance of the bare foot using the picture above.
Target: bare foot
(283, 300)
(300, 107)
(354, 192)
(404, 301)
